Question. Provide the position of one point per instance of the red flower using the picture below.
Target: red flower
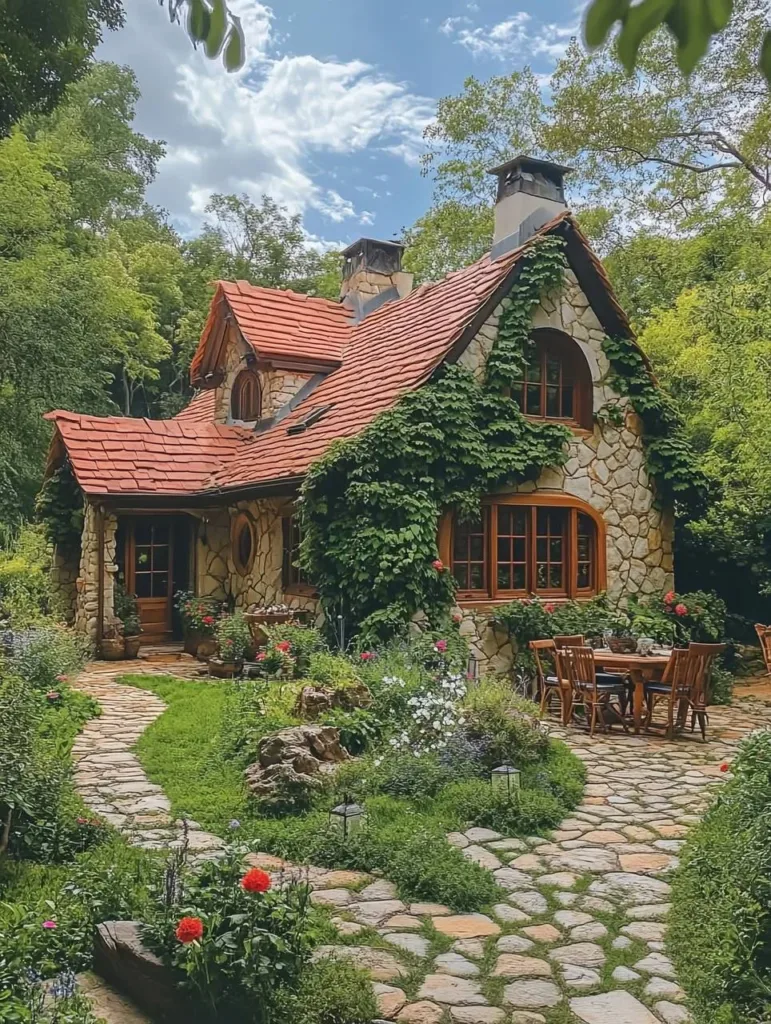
(438, 564)
(53, 695)
(670, 597)
(261, 656)
(724, 767)
(189, 929)
(550, 608)
(367, 655)
(284, 646)
(208, 620)
(256, 880)
(441, 646)
(61, 679)
(457, 618)
(83, 821)
(680, 609)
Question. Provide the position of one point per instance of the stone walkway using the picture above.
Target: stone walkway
(578, 935)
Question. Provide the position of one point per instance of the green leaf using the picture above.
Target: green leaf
(765, 57)
(720, 12)
(198, 20)
(235, 49)
(216, 35)
(698, 32)
(639, 21)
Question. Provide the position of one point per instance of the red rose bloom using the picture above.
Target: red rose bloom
(208, 620)
(189, 929)
(441, 646)
(724, 767)
(670, 597)
(438, 564)
(366, 655)
(550, 608)
(680, 609)
(256, 880)
(284, 646)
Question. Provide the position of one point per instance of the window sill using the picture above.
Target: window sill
(301, 590)
(483, 603)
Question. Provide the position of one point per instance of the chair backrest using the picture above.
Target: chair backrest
(689, 671)
(569, 641)
(579, 666)
(764, 635)
(542, 648)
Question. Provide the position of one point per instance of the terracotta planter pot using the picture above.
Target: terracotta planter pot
(191, 642)
(206, 649)
(132, 645)
(224, 669)
(113, 648)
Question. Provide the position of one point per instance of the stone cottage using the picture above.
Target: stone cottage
(205, 501)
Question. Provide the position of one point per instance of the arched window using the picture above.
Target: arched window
(556, 383)
(245, 398)
(551, 546)
(243, 543)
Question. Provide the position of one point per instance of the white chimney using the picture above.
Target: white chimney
(530, 193)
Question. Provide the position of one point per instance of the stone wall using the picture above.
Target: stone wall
(277, 386)
(87, 584)
(65, 567)
(605, 467)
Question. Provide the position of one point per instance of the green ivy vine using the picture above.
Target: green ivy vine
(59, 506)
(370, 506)
(670, 458)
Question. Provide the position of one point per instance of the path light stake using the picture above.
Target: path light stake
(346, 819)
(472, 669)
(506, 780)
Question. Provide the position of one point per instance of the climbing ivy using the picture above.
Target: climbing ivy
(670, 459)
(59, 506)
(370, 506)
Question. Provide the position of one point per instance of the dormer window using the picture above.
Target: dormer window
(246, 397)
(556, 383)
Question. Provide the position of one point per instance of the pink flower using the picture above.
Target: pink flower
(367, 655)
(284, 646)
(550, 608)
(438, 564)
(61, 679)
(50, 925)
(441, 646)
(669, 598)
(680, 609)
(457, 618)
(53, 695)
(261, 656)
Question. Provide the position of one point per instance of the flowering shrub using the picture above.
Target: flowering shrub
(199, 614)
(233, 636)
(238, 941)
(435, 714)
(42, 656)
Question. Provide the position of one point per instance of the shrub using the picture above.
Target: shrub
(25, 592)
(720, 926)
(451, 654)
(248, 941)
(20, 713)
(330, 992)
(506, 723)
(358, 728)
(332, 670)
(198, 614)
(127, 610)
(303, 642)
(44, 657)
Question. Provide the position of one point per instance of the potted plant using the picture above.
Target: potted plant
(199, 618)
(618, 635)
(113, 646)
(127, 610)
(233, 638)
(259, 617)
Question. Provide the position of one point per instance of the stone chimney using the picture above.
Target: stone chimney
(530, 193)
(373, 275)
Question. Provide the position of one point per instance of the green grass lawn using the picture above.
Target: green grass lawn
(180, 751)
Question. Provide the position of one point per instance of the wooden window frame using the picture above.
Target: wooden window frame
(298, 586)
(575, 507)
(547, 342)
(243, 521)
(246, 377)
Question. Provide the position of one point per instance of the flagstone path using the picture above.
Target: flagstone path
(578, 934)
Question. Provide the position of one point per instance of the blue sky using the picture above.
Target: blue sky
(328, 114)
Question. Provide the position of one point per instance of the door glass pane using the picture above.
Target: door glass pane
(504, 577)
(541, 576)
(519, 549)
(160, 534)
(142, 558)
(143, 532)
(477, 548)
(555, 549)
(555, 576)
(142, 584)
(542, 549)
(519, 580)
(160, 584)
(584, 576)
(160, 559)
(504, 549)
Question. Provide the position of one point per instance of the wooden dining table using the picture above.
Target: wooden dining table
(641, 669)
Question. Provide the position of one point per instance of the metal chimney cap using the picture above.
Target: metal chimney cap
(531, 163)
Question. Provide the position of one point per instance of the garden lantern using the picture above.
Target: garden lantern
(472, 669)
(346, 819)
(506, 780)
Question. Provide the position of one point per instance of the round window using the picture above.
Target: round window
(243, 543)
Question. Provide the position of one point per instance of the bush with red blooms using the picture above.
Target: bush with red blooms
(239, 942)
(199, 614)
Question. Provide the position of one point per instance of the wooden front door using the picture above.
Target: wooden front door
(149, 562)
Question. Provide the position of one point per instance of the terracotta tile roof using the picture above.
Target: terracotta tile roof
(279, 325)
(117, 455)
(393, 350)
(200, 408)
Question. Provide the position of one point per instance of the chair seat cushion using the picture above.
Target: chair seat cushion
(605, 687)
(658, 688)
(552, 681)
(610, 679)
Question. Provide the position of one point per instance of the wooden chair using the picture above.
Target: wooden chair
(569, 641)
(764, 635)
(595, 692)
(684, 688)
(549, 685)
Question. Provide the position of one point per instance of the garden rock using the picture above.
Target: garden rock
(315, 701)
(476, 1015)
(420, 1013)
(672, 1013)
(512, 965)
(380, 965)
(456, 965)
(443, 988)
(611, 1008)
(295, 761)
(532, 994)
(389, 999)
(582, 954)
(414, 944)
(466, 926)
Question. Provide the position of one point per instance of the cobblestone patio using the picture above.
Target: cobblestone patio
(580, 935)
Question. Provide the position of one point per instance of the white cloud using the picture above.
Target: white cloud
(264, 128)
(517, 38)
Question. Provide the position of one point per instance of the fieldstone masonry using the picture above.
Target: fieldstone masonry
(87, 584)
